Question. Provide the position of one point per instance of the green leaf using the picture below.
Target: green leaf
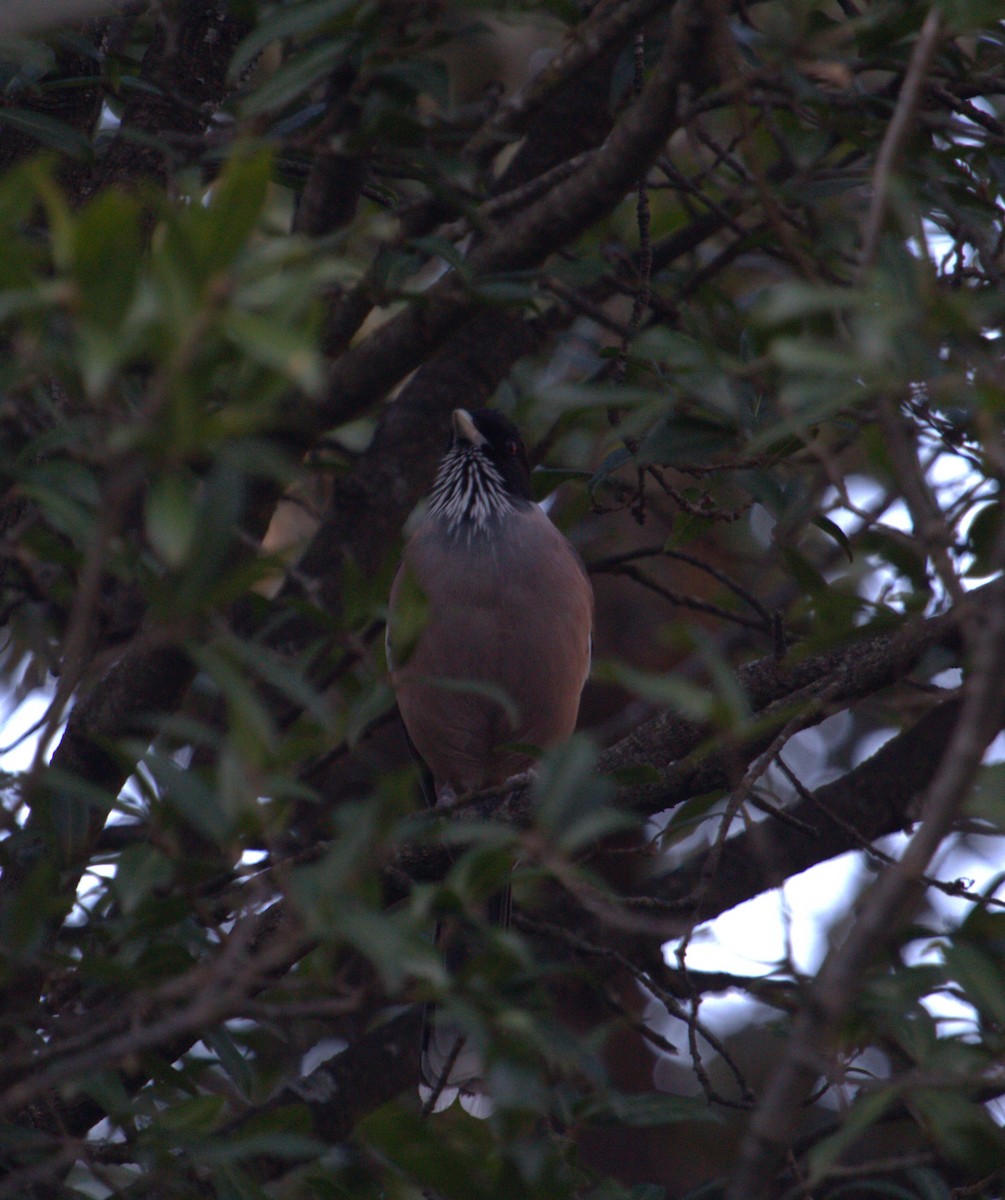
(286, 22)
(572, 799)
(106, 257)
(678, 350)
(108, 1090)
(291, 352)
(224, 225)
(806, 574)
(18, 1139)
(187, 793)
(141, 870)
(48, 131)
(284, 1145)
(681, 441)
(199, 1114)
(987, 799)
(546, 480)
(231, 1059)
(689, 816)
(980, 977)
(231, 1183)
(833, 530)
(68, 493)
(417, 1148)
(866, 1111)
(961, 1128)
(406, 619)
(982, 536)
(798, 301)
(299, 73)
(389, 942)
(665, 688)
(616, 459)
(436, 247)
(905, 556)
(645, 1109)
(171, 517)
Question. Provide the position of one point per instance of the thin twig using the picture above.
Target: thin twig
(429, 1105)
(887, 904)
(896, 135)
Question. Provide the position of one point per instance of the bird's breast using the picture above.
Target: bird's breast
(505, 649)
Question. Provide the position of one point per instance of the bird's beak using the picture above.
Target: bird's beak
(464, 428)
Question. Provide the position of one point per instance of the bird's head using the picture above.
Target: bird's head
(484, 474)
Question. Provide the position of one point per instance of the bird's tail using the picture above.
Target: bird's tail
(451, 1067)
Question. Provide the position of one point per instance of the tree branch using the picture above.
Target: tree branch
(369, 369)
(887, 904)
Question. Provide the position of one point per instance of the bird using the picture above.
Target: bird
(495, 670)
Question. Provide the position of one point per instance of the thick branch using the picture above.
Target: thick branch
(888, 903)
(362, 374)
(869, 802)
(689, 755)
(185, 72)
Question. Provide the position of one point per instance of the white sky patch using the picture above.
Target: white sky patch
(996, 751)
(17, 720)
(750, 940)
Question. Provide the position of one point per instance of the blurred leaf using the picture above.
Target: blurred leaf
(656, 1108)
(224, 225)
(389, 942)
(230, 1183)
(197, 1115)
(868, 1108)
(688, 816)
(546, 480)
(187, 793)
(436, 247)
(231, 1059)
(49, 131)
(616, 459)
(107, 257)
(171, 517)
(417, 1148)
(687, 440)
(407, 618)
(987, 799)
(286, 22)
(982, 536)
(67, 492)
(572, 800)
(291, 352)
(806, 574)
(906, 557)
(299, 73)
(108, 1090)
(668, 689)
(481, 872)
(980, 976)
(833, 530)
(283, 1145)
(141, 870)
(961, 1128)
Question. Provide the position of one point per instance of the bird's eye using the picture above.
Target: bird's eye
(512, 447)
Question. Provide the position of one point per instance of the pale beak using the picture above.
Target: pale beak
(464, 428)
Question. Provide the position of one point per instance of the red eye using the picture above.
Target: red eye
(512, 447)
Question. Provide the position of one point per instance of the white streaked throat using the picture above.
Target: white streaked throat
(469, 490)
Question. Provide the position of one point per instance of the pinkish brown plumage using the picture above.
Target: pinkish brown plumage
(505, 648)
(509, 611)
(514, 614)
